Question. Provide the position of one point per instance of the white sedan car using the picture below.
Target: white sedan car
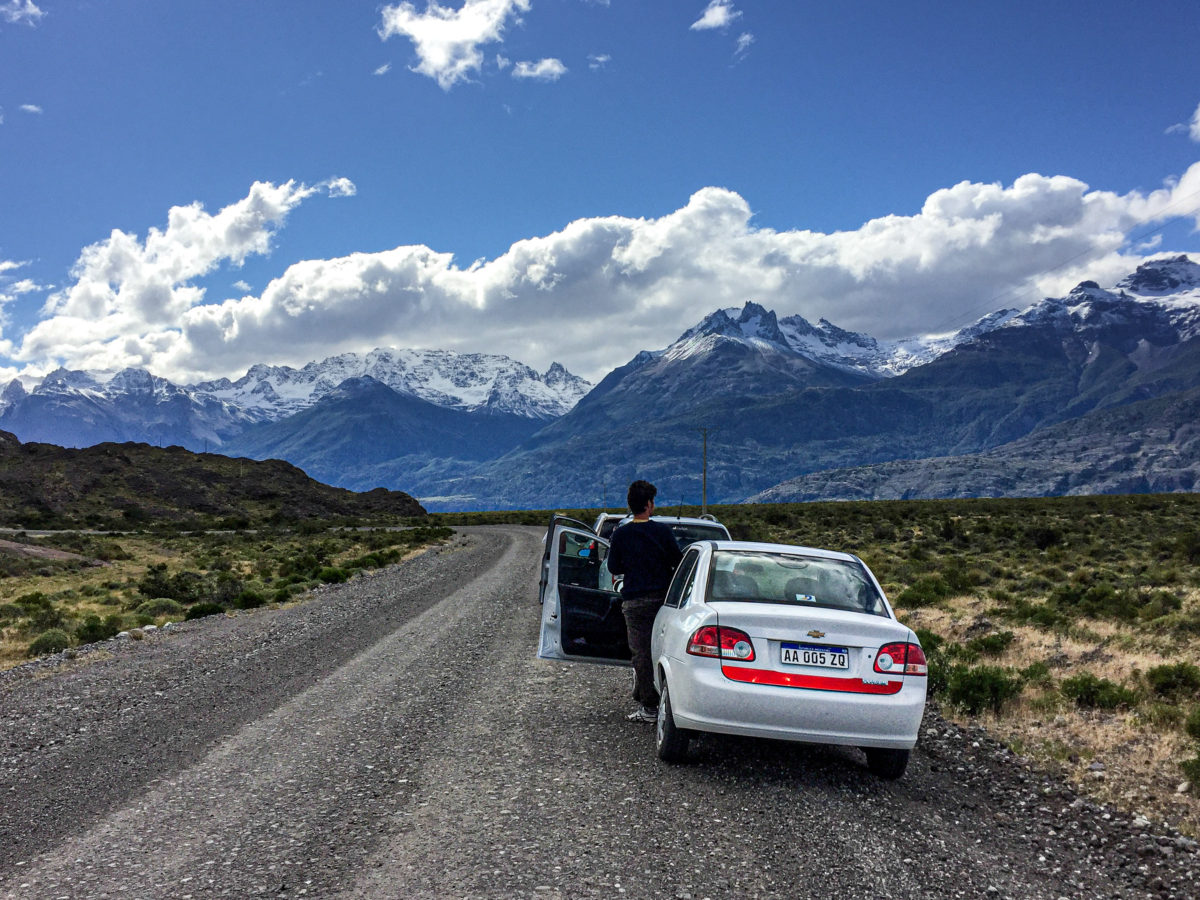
(763, 640)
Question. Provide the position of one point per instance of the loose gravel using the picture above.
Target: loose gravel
(397, 737)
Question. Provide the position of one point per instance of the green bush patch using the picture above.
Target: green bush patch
(978, 688)
(93, 630)
(50, 641)
(200, 610)
(159, 606)
(1090, 692)
(1174, 679)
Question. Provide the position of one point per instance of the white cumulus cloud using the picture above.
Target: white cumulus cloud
(542, 70)
(718, 14)
(744, 42)
(384, 69)
(447, 40)
(21, 12)
(597, 291)
(598, 60)
(127, 295)
(31, 108)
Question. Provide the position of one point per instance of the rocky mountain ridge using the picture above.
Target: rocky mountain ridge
(77, 409)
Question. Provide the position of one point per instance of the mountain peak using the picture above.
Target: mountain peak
(69, 379)
(752, 322)
(1163, 276)
(132, 381)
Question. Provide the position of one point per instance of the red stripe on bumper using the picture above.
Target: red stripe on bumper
(813, 682)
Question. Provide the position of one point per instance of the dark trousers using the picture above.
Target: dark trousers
(639, 623)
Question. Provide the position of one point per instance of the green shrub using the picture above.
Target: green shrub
(1192, 723)
(960, 652)
(958, 578)
(1037, 673)
(46, 618)
(1191, 768)
(50, 641)
(333, 575)
(1043, 537)
(249, 599)
(992, 644)
(976, 688)
(938, 675)
(92, 629)
(159, 606)
(1090, 692)
(931, 642)
(1174, 679)
(1040, 614)
(1158, 604)
(1187, 547)
(200, 610)
(1099, 601)
(924, 592)
(185, 587)
(10, 612)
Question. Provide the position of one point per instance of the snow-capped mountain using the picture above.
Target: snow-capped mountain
(1161, 299)
(78, 409)
(826, 343)
(779, 398)
(469, 382)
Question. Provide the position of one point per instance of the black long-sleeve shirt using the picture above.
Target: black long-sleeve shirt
(646, 554)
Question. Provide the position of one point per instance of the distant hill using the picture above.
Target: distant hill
(122, 485)
(1146, 447)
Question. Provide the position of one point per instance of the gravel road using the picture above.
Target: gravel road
(397, 737)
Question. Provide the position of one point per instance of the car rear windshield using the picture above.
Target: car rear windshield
(756, 577)
(689, 532)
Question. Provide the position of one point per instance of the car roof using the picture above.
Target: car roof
(686, 520)
(758, 547)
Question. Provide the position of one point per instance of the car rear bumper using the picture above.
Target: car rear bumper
(703, 699)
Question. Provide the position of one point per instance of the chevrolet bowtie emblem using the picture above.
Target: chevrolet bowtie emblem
(816, 634)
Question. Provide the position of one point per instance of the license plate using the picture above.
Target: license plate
(821, 656)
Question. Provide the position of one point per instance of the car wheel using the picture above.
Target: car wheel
(887, 764)
(670, 742)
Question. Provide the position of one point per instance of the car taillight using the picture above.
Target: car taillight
(901, 659)
(725, 643)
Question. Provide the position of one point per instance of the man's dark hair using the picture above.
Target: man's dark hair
(640, 495)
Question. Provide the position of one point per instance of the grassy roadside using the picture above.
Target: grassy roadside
(58, 591)
(1069, 626)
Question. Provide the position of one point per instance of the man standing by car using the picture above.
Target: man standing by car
(644, 552)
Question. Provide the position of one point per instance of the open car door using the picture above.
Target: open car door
(581, 613)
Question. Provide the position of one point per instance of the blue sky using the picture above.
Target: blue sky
(194, 187)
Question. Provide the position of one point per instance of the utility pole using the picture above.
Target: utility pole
(704, 474)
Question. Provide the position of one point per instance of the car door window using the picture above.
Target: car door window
(685, 576)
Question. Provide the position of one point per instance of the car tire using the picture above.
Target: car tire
(887, 764)
(670, 742)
